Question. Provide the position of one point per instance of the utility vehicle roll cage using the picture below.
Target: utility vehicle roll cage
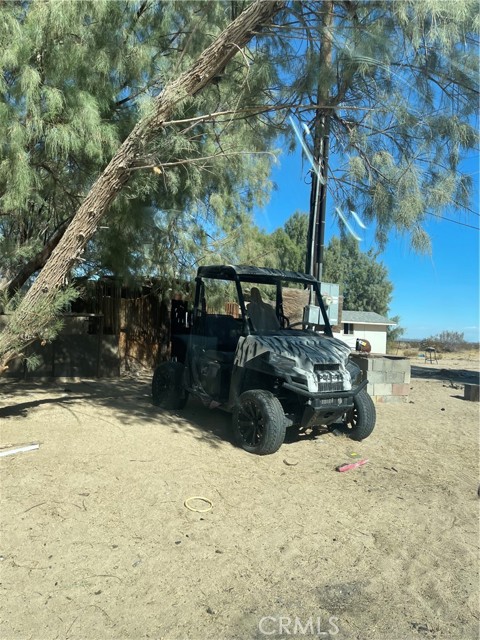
(259, 275)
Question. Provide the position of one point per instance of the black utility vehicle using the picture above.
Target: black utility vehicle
(252, 362)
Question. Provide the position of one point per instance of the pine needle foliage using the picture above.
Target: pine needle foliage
(44, 317)
(400, 90)
(75, 77)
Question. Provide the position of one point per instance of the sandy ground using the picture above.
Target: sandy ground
(96, 542)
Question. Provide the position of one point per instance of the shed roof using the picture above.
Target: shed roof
(365, 317)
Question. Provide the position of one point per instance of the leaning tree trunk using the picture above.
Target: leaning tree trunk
(27, 322)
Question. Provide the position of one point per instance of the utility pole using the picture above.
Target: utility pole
(321, 138)
(318, 197)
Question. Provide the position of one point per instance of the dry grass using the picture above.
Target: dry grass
(471, 354)
(468, 354)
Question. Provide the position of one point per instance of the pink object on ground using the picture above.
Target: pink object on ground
(352, 465)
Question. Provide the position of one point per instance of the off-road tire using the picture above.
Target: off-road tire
(259, 422)
(167, 386)
(359, 422)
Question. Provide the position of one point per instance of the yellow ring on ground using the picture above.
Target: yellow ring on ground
(209, 502)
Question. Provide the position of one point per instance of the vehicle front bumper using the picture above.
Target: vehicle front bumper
(323, 404)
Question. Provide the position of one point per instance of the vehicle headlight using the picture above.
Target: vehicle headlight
(281, 362)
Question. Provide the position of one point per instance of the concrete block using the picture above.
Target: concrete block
(391, 363)
(398, 377)
(379, 364)
(471, 392)
(378, 376)
(382, 389)
(400, 389)
(401, 364)
(370, 389)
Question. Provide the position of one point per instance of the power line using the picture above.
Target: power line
(462, 224)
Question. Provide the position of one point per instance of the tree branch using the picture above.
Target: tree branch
(161, 165)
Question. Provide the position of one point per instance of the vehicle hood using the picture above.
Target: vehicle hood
(304, 349)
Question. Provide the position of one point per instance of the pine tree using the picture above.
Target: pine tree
(62, 73)
(27, 322)
(76, 76)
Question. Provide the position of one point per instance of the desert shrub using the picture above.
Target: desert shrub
(446, 341)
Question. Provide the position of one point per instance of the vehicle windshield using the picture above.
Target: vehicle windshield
(263, 307)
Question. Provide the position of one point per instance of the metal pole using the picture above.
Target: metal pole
(318, 201)
(321, 139)
(322, 200)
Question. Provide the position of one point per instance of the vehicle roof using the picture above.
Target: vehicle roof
(246, 273)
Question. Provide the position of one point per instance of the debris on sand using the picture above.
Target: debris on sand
(10, 451)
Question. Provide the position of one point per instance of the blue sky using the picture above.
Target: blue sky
(432, 293)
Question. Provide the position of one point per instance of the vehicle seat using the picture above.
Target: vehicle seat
(261, 313)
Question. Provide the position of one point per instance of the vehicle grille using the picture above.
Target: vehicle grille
(329, 380)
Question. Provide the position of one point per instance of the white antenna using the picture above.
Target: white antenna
(349, 228)
(307, 151)
(321, 179)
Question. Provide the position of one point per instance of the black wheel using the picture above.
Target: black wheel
(359, 422)
(259, 422)
(167, 386)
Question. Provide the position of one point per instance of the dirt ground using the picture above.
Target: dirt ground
(96, 542)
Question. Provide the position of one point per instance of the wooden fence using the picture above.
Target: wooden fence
(138, 315)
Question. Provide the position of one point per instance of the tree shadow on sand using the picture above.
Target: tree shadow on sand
(21, 409)
(127, 400)
(452, 375)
